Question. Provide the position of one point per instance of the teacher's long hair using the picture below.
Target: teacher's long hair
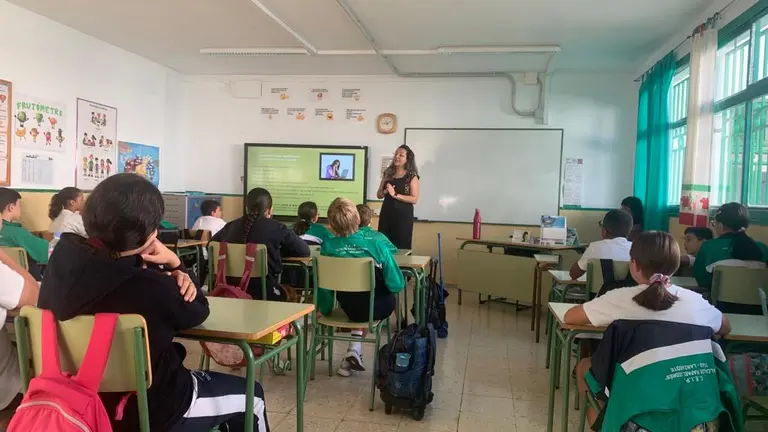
(410, 163)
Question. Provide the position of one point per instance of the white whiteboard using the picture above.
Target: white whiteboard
(511, 175)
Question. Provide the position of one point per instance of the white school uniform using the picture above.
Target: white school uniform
(11, 286)
(68, 222)
(210, 223)
(616, 249)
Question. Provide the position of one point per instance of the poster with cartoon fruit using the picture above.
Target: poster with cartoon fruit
(96, 143)
(40, 125)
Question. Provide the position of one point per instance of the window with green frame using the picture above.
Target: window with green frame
(739, 169)
(678, 119)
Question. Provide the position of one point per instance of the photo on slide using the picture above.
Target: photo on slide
(337, 166)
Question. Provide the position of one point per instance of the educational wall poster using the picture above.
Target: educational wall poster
(40, 124)
(318, 94)
(6, 102)
(350, 94)
(96, 143)
(386, 161)
(326, 114)
(37, 169)
(140, 159)
(573, 181)
(270, 113)
(356, 115)
(297, 113)
(279, 93)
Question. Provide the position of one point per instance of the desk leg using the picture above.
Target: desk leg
(301, 385)
(552, 379)
(565, 350)
(533, 300)
(538, 307)
(250, 379)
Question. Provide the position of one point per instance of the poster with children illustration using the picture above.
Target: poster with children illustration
(140, 159)
(96, 143)
(39, 124)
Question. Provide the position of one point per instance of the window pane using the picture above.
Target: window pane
(727, 155)
(678, 95)
(733, 67)
(761, 51)
(757, 191)
(676, 163)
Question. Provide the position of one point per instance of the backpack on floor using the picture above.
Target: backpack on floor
(610, 282)
(435, 301)
(225, 354)
(58, 402)
(406, 366)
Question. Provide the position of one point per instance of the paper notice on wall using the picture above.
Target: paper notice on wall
(350, 94)
(279, 93)
(297, 113)
(386, 161)
(326, 114)
(37, 169)
(270, 113)
(573, 181)
(318, 94)
(356, 115)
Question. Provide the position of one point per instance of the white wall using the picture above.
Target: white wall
(598, 113)
(49, 60)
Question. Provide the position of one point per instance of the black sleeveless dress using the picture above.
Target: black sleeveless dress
(396, 220)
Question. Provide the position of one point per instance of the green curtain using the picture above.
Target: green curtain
(652, 151)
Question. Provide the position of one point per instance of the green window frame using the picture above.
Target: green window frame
(678, 121)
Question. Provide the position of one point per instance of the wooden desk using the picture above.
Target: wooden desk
(543, 262)
(241, 322)
(403, 252)
(564, 277)
(507, 242)
(187, 243)
(747, 328)
(563, 335)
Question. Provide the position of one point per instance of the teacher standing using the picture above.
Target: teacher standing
(400, 190)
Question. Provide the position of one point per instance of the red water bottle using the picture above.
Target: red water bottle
(476, 223)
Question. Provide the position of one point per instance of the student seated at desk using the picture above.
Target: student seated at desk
(351, 243)
(64, 211)
(366, 214)
(211, 217)
(307, 228)
(118, 270)
(732, 247)
(615, 228)
(634, 207)
(257, 226)
(14, 235)
(17, 288)
(694, 238)
(653, 258)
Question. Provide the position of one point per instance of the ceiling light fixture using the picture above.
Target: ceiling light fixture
(254, 52)
(522, 49)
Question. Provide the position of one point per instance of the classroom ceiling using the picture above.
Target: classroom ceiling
(595, 35)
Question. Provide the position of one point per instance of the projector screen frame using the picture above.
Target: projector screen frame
(329, 147)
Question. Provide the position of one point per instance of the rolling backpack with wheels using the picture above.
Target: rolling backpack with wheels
(58, 402)
(405, 370)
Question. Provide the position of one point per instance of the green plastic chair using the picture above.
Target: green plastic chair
(236, 264)
(127, 369)
(19, 255)
(345, 275)
(738, 285)
(595, 279)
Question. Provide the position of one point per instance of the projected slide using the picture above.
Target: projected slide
(297, 173)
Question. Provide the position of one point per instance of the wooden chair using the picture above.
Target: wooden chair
(236, 264)
(345, 275)
(19, 255)
(739, 285)
(128, 368)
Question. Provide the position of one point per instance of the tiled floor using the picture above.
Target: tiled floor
(489, 376)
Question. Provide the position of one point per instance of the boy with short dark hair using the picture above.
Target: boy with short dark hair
(211, 217)
(616, 226)
(13, 234)
(694, 238)
(366, 214)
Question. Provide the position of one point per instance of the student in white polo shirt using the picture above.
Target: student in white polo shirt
(17, 288)
(616, 226)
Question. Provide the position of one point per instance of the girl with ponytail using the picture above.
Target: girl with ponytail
(307, 227)
(257, 226)
(64, 212)
(731, 247)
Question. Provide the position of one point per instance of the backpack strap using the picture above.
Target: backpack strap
(50, 346)
(606, 265)
(250, 258)
(221, 267)
(97, 354)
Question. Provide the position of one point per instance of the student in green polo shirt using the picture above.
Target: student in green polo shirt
(351, 243)
(307, 228)
(14, 235)
(731, 247)
(366, 214)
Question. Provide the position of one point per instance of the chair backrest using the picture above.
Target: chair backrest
(236, 260)
(168, 236)
(595, 279)
(738, 285)
(201, 234)
(344, 274)
(19, 255)
(314, 250)
(763, 301)
(127, 345)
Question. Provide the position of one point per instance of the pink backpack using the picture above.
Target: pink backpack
(57, 402)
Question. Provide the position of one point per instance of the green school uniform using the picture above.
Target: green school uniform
(715, 250)
(14, 235)
(318, 231)
(357, 246)
(371, 234)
